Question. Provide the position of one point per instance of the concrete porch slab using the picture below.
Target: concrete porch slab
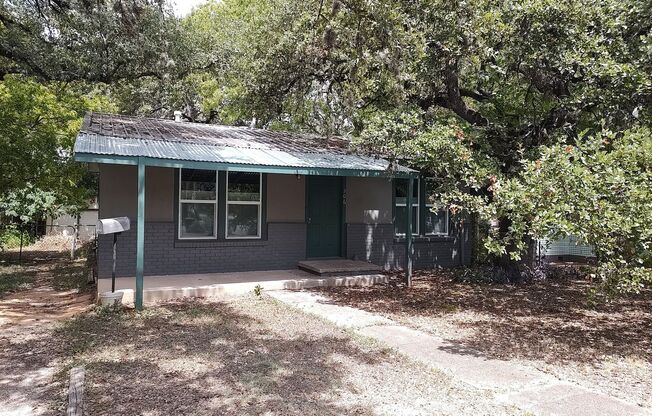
(160, 288)
(338, 266)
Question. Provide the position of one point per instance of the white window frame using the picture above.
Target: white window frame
(199, 201)
(428, 206)
(417, 205)
(260, 209)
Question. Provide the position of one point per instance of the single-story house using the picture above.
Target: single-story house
(210, 199)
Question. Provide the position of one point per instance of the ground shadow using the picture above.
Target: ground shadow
(28, 359)
(29, 355)
(549, 320)
(209, 358)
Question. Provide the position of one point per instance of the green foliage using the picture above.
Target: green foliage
(258, 290)
(97, 41)
(28, 204)
(533, 114)
(599, 191)
(38, 126)
(10, 238)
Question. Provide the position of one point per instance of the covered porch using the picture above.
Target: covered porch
(146, 144)
(211, 285)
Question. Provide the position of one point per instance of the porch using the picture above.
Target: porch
(223, 199)
(210, 285)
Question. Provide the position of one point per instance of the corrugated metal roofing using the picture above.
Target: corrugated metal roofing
(114, 135)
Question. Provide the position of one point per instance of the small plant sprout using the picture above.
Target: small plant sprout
(258, 290)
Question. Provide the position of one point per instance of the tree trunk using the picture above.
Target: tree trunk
(514, 269)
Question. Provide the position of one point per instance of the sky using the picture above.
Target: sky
(184, 7)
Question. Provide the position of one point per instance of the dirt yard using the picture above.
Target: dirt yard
(35, 296)
(245, 356)
(250, 356)
(548, 325)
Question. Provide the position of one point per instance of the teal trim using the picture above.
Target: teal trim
(168, 163)
(140, 236)
(422, 205)
(408, 235)
(114, 160)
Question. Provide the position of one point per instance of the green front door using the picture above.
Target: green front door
(324, 216)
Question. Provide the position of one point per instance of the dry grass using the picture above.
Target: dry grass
(246, 356)
(249, 356)
(42, 268)
(53, 289)
(546, 324)
(57, 243)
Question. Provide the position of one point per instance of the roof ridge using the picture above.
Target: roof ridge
(348, 151)
(191, 124)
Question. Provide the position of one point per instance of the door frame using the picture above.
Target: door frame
(342, 198)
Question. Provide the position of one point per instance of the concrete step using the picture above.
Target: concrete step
(338, 267)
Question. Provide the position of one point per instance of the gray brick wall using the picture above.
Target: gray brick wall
(285, 245)
(376, 243)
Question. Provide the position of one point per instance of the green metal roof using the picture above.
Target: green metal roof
(106, 138)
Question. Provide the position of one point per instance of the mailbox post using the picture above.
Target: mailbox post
(113, 226)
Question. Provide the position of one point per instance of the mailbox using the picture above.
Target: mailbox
(112, 225)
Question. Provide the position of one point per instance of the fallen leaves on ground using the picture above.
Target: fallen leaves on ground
(546, 323)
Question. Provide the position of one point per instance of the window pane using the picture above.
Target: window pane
(242, 220)
(197, 220)
(244, 186)
(400, 191)
(436, 221)
(198, 184)
(401, 220)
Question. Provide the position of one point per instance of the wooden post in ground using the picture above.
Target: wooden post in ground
(76, 392)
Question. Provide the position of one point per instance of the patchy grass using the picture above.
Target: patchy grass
(249, 356)
(546, 324)
(69, 275)
(30, 355)
(15, 277)
(43, 268)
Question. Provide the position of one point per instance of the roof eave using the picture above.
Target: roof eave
(235, 167)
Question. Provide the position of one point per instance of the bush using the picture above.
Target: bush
(10, 238)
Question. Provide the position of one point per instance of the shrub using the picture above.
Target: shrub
(10, 238)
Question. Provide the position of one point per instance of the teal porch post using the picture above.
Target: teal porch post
(140, 235)
(408, 234)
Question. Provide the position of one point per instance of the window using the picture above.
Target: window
(400, 206)
(425, 221)
(243, 204)
(436, 223)
(435, 218)
(197, 203)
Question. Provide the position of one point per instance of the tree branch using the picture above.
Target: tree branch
(478, 95)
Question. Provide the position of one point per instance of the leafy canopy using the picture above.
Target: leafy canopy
(38, 126)
(534, 113)
(96, 41)
(475, 93)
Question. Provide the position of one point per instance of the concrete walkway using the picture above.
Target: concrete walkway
(527, 388)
